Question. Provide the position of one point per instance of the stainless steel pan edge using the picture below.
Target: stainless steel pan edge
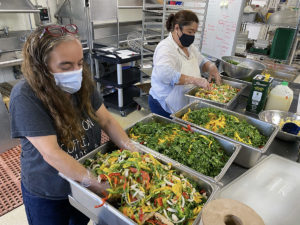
(227, 145)
(230, 104)
(249, 155)
(85, 199)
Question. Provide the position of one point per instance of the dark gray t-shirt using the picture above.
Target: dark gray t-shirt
(30, 118)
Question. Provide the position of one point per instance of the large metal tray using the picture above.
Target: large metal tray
(85, 200)
(191, 94)
(249, 155)
(230, 148)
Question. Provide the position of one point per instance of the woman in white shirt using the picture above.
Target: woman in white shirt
(177, 64)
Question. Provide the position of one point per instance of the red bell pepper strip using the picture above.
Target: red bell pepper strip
(146, 178)
(185, 195)
(124, 185)
(103, 177)
(114, 174)
(145, 175)
(151, 221)
(133, 170)
(132, 217)
(159, 201)
(141, 215)
(185, 129)
(202, 191)
(155, 222)
(103, 202)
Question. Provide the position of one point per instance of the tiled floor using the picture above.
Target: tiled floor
(18, 216)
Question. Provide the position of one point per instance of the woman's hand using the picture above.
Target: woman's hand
(94, 184)
(100, 188)
(201, 82)
(130, 145)
(214, 73)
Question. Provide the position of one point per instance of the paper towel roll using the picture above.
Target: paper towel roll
(229, 212)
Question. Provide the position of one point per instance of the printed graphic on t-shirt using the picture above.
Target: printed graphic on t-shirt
(88, 142)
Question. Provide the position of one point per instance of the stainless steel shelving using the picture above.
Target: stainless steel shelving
(154, 19)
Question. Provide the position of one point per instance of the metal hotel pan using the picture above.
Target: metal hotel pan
(248, 155)
(191, 94)
(85, 200)
(230, 148)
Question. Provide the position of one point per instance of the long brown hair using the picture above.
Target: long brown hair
(67, 118)
(182, 18)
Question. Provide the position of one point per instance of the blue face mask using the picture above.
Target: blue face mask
(69, 81)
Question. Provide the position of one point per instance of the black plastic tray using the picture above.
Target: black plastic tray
(129, 93)
(129, 76)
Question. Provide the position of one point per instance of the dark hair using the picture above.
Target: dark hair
(182, 18)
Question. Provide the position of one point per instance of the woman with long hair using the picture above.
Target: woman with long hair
(177, 64)
(58, 115)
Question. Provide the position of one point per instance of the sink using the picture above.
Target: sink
(14, 40)
(10, 46)
(10, 55)
(10, 59)
(10, 43)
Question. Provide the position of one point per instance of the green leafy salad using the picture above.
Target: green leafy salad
(232, 62)
(227, 125)
(199, 152)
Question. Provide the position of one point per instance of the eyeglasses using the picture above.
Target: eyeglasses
(57, 30)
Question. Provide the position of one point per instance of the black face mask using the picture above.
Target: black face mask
(186, 40)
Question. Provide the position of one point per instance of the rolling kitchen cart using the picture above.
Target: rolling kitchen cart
(121, 80)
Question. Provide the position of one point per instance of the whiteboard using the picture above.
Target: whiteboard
(222, 24)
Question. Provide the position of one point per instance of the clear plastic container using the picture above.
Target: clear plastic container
(280, 98)
(271, 189)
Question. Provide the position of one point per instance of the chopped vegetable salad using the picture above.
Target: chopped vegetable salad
(149, 191)
(218, 93)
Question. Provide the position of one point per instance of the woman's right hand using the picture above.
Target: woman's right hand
(100, 188)
(201, 82)
(94, 184)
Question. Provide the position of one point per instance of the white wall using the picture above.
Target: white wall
(20, 21)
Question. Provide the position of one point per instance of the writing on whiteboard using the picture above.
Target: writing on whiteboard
(221, 27)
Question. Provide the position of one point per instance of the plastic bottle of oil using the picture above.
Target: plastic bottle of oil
(280, 98)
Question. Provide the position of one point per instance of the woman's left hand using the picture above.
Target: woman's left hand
(130, 145)
(214, 73)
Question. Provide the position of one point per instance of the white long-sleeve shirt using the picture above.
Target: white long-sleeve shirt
(167, 63)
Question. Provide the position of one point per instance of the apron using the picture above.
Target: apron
(176, 99)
